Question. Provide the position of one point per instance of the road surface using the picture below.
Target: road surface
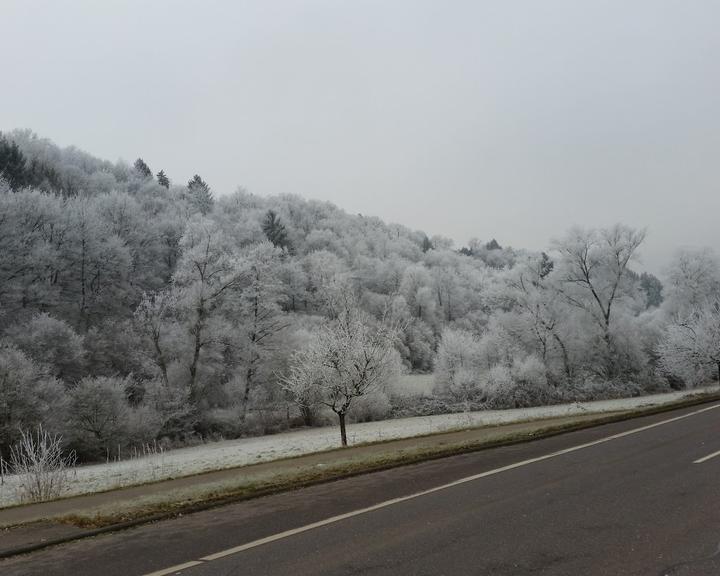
(637, 497)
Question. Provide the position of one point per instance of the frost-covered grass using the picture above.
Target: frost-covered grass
(245, 451)
(413, 385)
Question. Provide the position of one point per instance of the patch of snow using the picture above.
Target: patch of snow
(244, 451)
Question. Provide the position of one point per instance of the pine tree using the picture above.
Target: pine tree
(12, 164)
(162, 179)
(275, 230)
(546, 265)
(653, 288)
(200, 194)
(142, 168)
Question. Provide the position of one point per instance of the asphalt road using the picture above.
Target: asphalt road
(623, 498)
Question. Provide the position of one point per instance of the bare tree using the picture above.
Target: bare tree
(260, 312)
(42, 465)
(151, 317)
(693, 277)
(207, 274)
(349, 357)
(593, 274)
(532, 292)
(690, 348)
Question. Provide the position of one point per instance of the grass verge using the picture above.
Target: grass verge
(203, 497)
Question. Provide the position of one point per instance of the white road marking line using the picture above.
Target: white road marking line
(706, 458)
(385, 504)
(174, 569)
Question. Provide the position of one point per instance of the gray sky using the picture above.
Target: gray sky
(509, 119)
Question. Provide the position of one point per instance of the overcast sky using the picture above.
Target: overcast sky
(506, 119)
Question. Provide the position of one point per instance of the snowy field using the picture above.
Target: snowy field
(413, 385)
(241, 452)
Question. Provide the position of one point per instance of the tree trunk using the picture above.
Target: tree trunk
(82, 285)
(307, 415)
(193, 365)
(246, 393)
(196, 356)
(161, 360)
(343, 432)
(718, 372)
(566, 358)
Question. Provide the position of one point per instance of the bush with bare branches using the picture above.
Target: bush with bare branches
(41, 464)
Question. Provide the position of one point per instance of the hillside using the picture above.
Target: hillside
(135, 309)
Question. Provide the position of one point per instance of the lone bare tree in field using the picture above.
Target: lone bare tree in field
(348, 358)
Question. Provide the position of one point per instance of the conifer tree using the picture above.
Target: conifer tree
(12, 164)
(142, 168)
(162, 179)
(200, 194)
(275, 230)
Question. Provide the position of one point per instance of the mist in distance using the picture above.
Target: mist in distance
(498, 120)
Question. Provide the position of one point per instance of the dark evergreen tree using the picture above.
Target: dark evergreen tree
(493, 245)
(546, 265)
(200, 194)
(426, 244)
(162, 179)
(275, 230)
(12, 164)
(652, 287)
(142, 168)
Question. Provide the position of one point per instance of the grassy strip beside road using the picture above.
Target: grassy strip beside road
(262, 479)
(115, 510)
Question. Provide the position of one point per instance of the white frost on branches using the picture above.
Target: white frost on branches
(690, 348)
(348, 357)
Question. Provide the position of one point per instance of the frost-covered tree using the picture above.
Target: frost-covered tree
(693, 276)
(29, 397)
(200, 194)
(459, 366)
(96, 265)
(690, 348)
(259, 313)
(53, 343)
(348, 358)
(593, 277)
(142, 168)
(207, 276)
(98, 413)
(153, 319)
(533, 294)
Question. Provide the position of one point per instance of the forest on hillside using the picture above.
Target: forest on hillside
(135, 309)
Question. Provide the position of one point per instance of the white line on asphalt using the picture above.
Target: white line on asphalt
(174, 569)
(385, 504)
(701, 460)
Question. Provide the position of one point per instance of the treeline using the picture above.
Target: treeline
(134, 309)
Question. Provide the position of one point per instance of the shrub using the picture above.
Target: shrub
(375, 406)
(41, 464)
(98, 415)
